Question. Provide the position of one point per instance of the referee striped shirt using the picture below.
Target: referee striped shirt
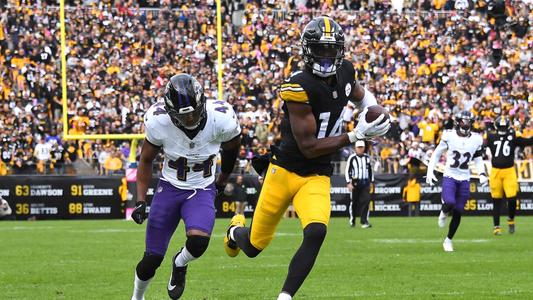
(359, 169)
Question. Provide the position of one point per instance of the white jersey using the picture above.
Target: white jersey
(461, 150)
(191, 163)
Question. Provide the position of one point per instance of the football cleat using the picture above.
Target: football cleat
(366, 225)
(497, 230)
(442, 219)
(176, 284)
(230, 246)
(511, 226)
(447, 245)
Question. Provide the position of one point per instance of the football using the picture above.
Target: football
(374, 112)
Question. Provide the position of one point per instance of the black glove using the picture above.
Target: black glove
(139, 213)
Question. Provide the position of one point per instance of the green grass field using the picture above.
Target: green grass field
(399, 258)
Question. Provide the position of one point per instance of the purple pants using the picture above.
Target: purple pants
(455, 192)
(169, 205)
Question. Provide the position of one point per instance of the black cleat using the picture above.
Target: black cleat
(176, 285)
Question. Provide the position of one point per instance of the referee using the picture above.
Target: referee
(358, 178)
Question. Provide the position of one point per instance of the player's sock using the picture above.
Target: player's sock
(183, 258)
(139, 288)
(304, 259)
(511, 205)
(454, 223)
(241, 235)
(195, 246)
(446, 208)
(284, 296)
(496, 211)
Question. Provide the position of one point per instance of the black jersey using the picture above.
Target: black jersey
(502, 147)
(327, 103)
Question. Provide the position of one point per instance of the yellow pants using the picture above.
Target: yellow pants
(503, 181)
(310, 197)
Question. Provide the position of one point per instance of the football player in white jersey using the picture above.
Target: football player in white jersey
(463, 146)
(190, 131)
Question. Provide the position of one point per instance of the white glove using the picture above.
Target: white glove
(431, 179)
(483, 179)
(365, 130)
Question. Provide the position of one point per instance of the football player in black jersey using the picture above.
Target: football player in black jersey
(503, 181)
(300, 169)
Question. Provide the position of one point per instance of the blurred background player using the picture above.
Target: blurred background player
(502, 143)
(359, 177)
(190, 131)
(300, 169)
(462, 146)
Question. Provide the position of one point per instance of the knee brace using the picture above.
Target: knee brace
(147, 266)
(196, 245)
(315, 233)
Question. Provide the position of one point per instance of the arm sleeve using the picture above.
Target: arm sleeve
(480, 166)
(481, 149)
(436, 155)
(347, 172)
(368, 99)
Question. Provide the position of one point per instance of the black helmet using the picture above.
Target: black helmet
(323, 46)
(464, 121)
(502, 124)
(185, 101)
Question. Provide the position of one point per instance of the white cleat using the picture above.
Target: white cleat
(447, 245)
(442, 219)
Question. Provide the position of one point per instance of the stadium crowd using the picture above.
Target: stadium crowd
(423, 64)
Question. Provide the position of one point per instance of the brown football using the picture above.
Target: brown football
(374, 111)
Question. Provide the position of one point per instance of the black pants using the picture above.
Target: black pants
(359, 203)
(413, 209)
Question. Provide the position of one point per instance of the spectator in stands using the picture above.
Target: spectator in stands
(420, 63)
(5, 211)
(113, 164)
(42, 154)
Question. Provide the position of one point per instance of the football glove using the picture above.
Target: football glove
(483, 179)
(431, 179)
(365, 130)
(139, 213)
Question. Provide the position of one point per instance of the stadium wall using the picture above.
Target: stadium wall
(76, 197)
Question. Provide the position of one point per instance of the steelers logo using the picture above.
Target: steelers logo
(348, 89)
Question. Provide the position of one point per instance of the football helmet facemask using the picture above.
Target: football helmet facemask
(323, 46)
(185, 101)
